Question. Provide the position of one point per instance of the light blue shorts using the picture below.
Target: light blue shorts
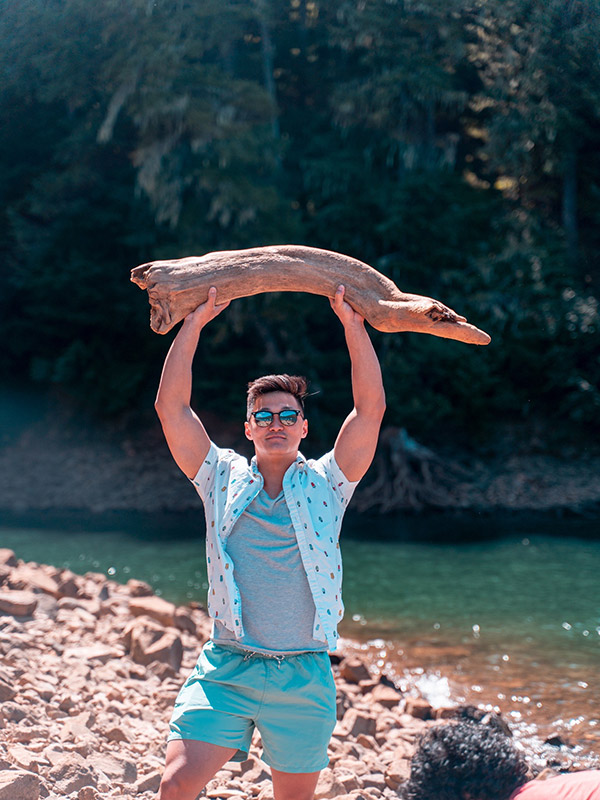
(291, 701)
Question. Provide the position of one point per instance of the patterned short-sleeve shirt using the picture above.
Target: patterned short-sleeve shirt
(316, 492)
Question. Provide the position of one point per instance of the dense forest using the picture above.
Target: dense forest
(453, 145)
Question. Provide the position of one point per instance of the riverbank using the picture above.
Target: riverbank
(91, 668)
(56, 468)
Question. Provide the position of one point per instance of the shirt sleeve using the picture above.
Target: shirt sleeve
(204, 478)
(343, 489)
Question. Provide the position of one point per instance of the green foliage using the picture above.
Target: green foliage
(452, 145)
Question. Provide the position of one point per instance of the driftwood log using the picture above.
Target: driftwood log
(177, 287)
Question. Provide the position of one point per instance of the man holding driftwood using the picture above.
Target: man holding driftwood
(274, 568)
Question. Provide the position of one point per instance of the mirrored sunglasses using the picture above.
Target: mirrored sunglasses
(265, 418)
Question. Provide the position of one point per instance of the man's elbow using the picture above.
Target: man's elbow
(373, 409)
(159, 407)
(380, 406)
(163, 408)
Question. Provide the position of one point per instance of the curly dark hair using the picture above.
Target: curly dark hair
(465, 760)
(295, 385)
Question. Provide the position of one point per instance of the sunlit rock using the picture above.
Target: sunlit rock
(17, 603)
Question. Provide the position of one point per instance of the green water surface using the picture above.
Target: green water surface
(530, 585)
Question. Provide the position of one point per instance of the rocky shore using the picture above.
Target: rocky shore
(89, 671)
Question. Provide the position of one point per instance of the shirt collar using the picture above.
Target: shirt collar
(299, 462)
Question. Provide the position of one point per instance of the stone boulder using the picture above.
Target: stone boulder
(139, 588)
(356, 722)
(118, 770)
(328, 786)
(33, 577)
(354, 670)
(17, 784)
(7, 557)
(418, 707)
(148, 641)
(72, 773)
(6, 691)
(155, 608)
(386, 695)
(397, 772)
(17, 603)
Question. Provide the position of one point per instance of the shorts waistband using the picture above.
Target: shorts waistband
(248, 653)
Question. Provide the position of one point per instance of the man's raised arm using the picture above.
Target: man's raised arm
(185, 434)
(356, 442)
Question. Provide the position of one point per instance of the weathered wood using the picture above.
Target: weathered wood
(177, 287)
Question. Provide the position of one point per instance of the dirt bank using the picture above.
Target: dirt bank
(71, 467)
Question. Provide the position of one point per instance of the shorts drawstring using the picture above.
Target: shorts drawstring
(275, 657)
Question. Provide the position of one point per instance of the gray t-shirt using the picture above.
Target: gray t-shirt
(278, 609)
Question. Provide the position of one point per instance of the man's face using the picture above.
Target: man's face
(276, 438)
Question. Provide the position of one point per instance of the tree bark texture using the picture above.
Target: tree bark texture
(569, 204)
(176, 287)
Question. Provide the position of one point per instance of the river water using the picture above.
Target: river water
(503, 613)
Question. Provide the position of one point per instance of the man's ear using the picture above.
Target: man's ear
(247, 431)
(304, 428)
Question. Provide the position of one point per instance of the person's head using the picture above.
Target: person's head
(465, 760)
(268, 398)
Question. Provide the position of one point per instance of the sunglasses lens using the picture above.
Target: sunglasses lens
(264, 418)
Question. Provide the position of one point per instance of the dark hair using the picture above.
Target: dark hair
(295, 385)
(462, 760)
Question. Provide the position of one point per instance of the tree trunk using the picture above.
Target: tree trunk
(410, 477)
(569, 204)
(268, 66)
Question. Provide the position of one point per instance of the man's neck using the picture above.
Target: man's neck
(273, 469)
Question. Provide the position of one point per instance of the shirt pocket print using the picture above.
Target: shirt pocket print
(324, 528)
(325, 565)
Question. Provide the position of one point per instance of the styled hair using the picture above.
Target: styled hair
(465, 760)
(295, 385)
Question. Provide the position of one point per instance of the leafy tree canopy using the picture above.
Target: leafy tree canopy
(452, 145)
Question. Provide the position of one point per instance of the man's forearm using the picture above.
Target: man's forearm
(175, 388)
(367, 382)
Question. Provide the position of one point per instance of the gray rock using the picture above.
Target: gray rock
(151, 643)
(87, 793)
(354, 670)
(72, 773)
(12, 712)
(184, 621)
(155, 607)
(139, 588)
(6, 691)
(328, 786)
(7, 557)
(356, 722)
(35, 578)
(386, 695)
(16, 784)
(148, 783)
(418, 707)
(26, 759)
(17, 603)
(119, 770)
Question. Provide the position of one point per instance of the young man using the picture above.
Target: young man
(274, 568)
(476, 761)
